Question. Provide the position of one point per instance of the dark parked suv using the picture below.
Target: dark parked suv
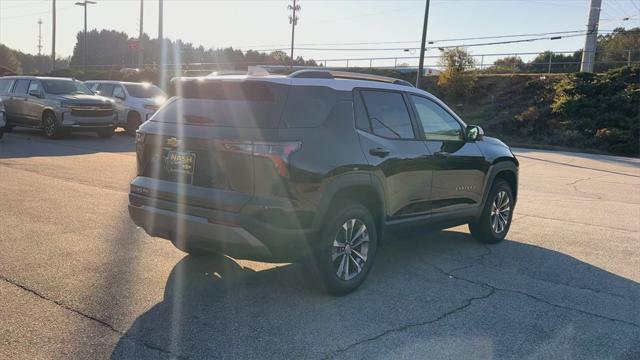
(316, 165)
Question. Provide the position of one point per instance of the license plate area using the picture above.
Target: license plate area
(181, 165)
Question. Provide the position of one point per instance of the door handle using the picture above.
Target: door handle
(379, 152)
(442, 154)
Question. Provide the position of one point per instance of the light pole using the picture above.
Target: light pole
(140, 59)
(84, 4)
(53, 36)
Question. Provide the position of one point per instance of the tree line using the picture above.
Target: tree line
(612, 51)
(108, 47)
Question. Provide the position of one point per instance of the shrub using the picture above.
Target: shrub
(604, 108)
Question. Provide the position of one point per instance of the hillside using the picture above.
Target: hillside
(577, 111)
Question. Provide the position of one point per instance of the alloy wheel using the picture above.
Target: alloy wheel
(49, 125)
(500, 210)
(350, 249)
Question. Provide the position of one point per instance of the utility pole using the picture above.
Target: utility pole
(293, 20)
(589, 53)
(53, 36)
(140, 59)
(422, 46)
(39, 38)
(163, 50)
(85, 4)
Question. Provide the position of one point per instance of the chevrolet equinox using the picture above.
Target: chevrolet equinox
(314, 166)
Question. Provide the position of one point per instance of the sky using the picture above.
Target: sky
(323, 24)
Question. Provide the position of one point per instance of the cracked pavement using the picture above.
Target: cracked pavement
(78, 280)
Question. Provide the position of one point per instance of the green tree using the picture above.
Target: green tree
(458, 76)
(615, 49)
(507, 65)
(560, 63)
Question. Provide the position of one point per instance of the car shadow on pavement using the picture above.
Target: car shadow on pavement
(23, 142)
(429, 296)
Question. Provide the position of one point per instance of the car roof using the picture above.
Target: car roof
(342, 82)
(336, 83)
(30, 77)
(118, 82)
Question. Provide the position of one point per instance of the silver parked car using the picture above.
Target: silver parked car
(135, 102)
(56, 105)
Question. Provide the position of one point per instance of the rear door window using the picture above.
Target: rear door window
(21, 87)
(388, 114)
(252, 104)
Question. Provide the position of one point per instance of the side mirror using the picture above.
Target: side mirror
(97, 92)
(474, 133)
(35, 93)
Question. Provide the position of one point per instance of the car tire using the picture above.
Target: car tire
(8, 128)
(133, 123)
(493, 225)
(107, 133)
(1, 132)
(344, 251)
(52, 128)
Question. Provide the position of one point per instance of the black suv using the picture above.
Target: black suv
(314, 166)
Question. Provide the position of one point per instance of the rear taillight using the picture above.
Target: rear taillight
(139, 137)
(140, 151)
(277, 152)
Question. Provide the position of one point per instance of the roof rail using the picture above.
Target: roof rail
(312, 74)
(331, 74)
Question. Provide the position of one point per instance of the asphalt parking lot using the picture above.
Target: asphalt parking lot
(79, 280)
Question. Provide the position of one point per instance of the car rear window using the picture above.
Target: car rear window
(256, 104)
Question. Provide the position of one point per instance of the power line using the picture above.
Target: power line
(440, 47)
(33, 14)
(268, 47)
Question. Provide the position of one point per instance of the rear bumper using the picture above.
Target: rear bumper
(198, 232)
(237, 234)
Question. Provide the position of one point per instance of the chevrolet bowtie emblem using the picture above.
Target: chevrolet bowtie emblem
(173, 142)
